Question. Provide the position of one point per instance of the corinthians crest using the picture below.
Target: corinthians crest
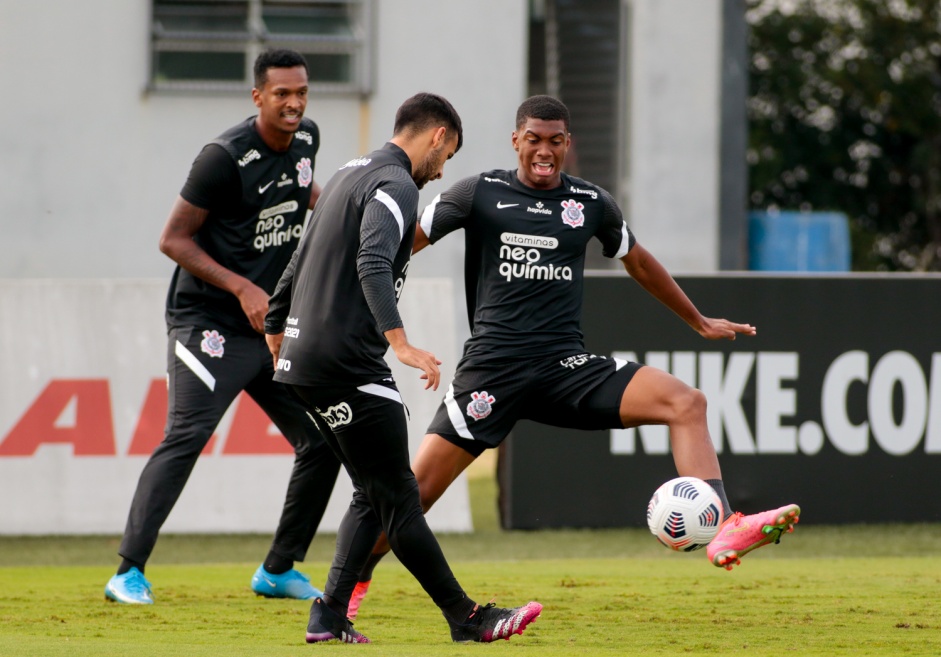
(304, 173)
(481, 405)
(572, 214)
(212, 344)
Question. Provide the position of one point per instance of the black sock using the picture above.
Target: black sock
(276, 564)
(460, 611)
(365, 574)
(719, 488)
(127, 564)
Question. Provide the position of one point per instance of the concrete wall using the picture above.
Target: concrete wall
(83, 403)
(92, 162)
(674, 112)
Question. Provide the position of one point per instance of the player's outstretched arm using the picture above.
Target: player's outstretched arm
(653, 277)
(415, 357)
(176, 241)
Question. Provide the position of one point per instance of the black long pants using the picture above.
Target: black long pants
(367, 428)
(201, 388)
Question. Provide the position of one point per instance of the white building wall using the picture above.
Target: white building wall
(91, 161)
(80, 390)
(674, 130)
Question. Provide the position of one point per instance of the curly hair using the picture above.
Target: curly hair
(276, 58)
(545, 108)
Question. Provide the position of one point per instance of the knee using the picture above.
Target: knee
(389, 495)
(182, 443)
(690, 406)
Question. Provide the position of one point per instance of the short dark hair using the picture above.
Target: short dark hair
(425, 110)
(544, 108)
(276, 58)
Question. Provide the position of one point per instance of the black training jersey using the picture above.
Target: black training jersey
(257, 200)
(525, 257)
(348, 271)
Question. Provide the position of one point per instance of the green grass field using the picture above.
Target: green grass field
(824, 591)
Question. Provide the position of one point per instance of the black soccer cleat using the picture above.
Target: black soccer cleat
(327, 625)
(489, 623)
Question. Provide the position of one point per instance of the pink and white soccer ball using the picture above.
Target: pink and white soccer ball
(684, 514)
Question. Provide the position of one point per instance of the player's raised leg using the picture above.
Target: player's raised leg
(656, 397)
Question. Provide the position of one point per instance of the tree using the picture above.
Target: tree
(845, 114)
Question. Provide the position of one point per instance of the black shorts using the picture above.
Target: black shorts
(352, 407)
(366, 428)
(489, 395)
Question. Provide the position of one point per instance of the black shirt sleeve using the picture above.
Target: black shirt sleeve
(387, 218)
(450, 209)
(279, 305)
(213, 181)
(616, 238)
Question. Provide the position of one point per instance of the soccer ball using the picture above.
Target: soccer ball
(684, 514)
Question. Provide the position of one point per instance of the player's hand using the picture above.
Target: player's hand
(254, 302)
(422, 360)
(723, 329)
(274, 346)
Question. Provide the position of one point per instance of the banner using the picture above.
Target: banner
(835, 404)
(83, 401)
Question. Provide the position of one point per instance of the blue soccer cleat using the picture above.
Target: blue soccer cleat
(292, 584)
(131, 588)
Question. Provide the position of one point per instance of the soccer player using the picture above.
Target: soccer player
(232, 231)
(331, 320)
(526, 231)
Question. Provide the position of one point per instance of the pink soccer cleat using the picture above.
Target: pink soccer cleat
(740, 534)
(356, 599)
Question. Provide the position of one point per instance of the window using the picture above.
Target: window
(212, 44)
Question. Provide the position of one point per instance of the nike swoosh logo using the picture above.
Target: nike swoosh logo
(744, 527)
(261, 190)
(500, 206)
